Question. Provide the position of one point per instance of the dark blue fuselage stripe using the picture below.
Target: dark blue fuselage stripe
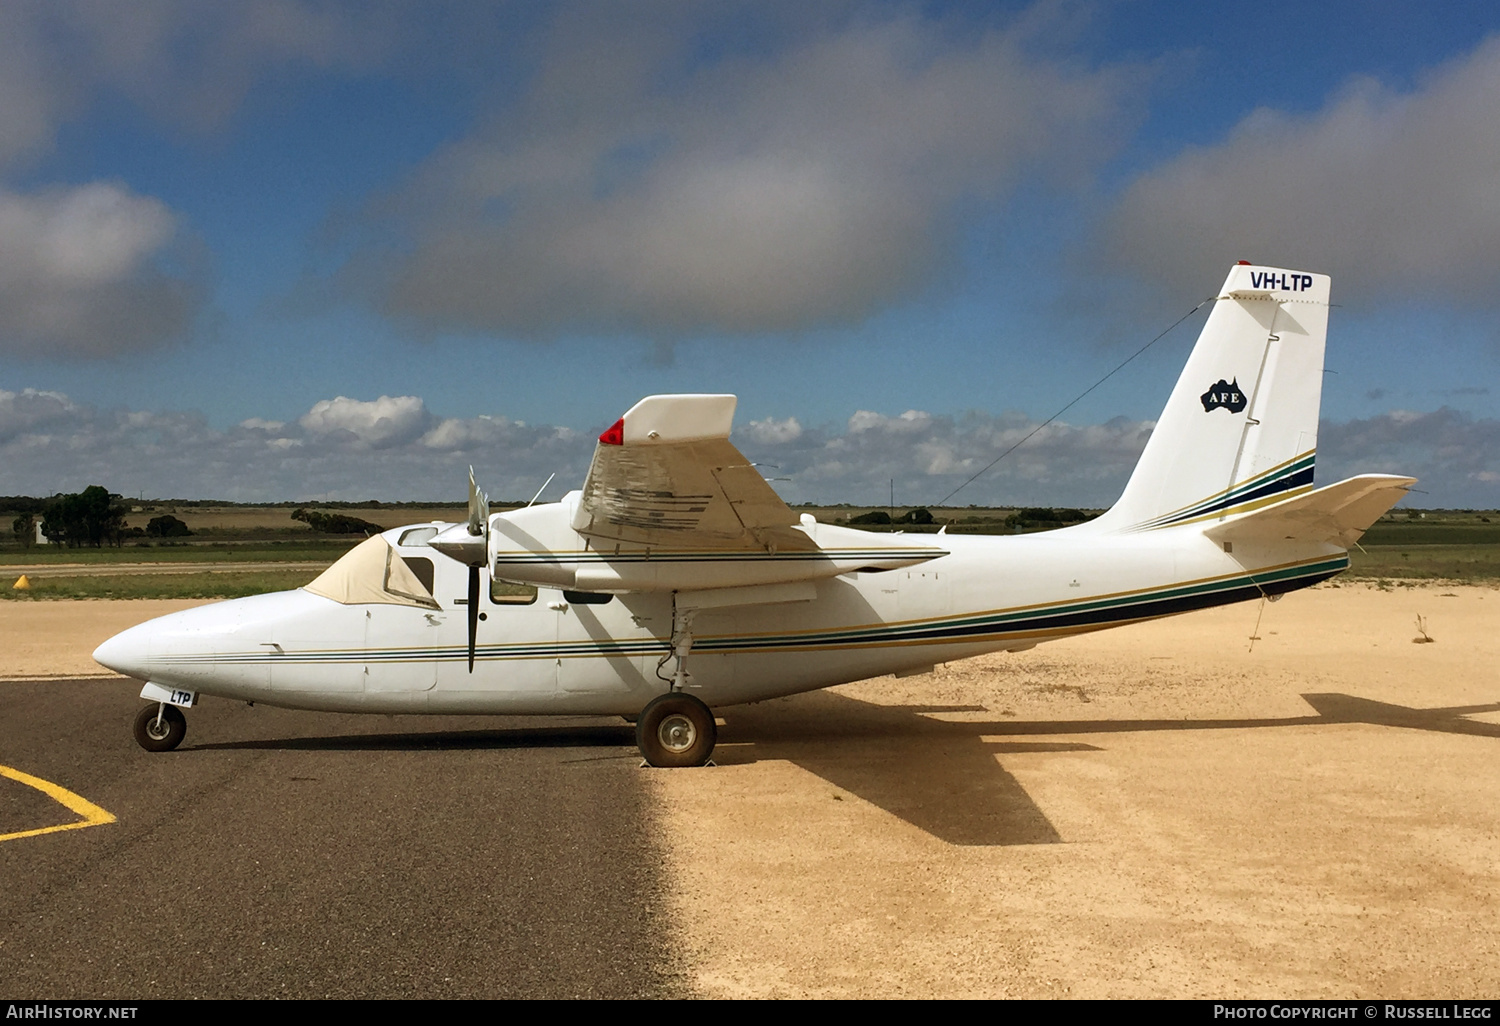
(1301, 477)
(1145, 609)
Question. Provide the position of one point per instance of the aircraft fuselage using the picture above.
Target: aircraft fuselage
(567, 653)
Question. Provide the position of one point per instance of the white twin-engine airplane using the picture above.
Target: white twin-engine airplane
(677, 579)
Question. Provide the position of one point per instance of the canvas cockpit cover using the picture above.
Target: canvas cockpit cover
(372, 572)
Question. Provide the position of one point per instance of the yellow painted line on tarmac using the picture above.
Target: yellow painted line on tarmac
(91, 813)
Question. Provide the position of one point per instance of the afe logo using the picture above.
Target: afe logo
(1224, 394)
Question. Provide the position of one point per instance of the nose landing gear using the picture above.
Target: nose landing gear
(160, 727)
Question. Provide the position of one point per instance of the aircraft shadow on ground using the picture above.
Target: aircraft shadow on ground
(571, 736)
(943, 776)
(940, 775)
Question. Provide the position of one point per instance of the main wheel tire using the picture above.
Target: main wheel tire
(676, 730)
(161, 736)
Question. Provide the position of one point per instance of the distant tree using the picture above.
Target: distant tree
(23, 504)
(166, 526)
(1033, 518)
(915, 516)
(24, 527)
(878, 516)
(90, 517)
(335, 523)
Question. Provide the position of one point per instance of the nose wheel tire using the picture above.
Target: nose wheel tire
(160, 727)
(676, 730)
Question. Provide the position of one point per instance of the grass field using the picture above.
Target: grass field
(268, 552)
(1470, 564)
(148, 586)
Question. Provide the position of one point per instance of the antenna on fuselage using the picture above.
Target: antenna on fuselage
(542, 489)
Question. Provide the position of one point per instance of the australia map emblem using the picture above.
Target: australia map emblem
(1226, 394)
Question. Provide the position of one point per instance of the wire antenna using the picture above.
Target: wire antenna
(944, 500)
(540, 490)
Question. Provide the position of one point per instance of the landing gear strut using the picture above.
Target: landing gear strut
(682, 644)
(677, 729)
(160, 727)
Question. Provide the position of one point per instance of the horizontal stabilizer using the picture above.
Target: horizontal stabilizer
(1339, 513)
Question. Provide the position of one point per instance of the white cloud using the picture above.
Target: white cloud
(82, 272)
(90, 235)
(347, 449)
(188, 61)
(910, 422)
(928, 456)
(29, 410)
(1454, 456)
(774, 432)
(377, 424)
(1396, 194)
(49, 443)
(454, 434)
(96, 270)
(810, 181)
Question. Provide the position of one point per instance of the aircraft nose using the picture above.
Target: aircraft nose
(127, 653)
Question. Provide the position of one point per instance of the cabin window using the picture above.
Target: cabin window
(418, 536)
(586, 598)
(421, 568)
(508, 593)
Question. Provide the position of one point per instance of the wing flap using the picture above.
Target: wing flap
(1339, 513)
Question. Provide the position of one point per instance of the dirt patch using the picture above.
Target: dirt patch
(47, 640)
(1164, 810)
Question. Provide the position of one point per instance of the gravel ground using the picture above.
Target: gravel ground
(1154, 811)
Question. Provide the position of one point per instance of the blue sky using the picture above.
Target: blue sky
(292, 250)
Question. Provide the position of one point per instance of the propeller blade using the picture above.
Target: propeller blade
(473, 612)
(468, 542)
(479, 508)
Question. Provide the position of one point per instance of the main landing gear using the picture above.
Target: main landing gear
(160, 727)
(677, 729)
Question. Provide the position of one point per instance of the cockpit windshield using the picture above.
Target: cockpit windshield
(372, 571)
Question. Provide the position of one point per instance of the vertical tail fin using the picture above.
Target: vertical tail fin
(1240, 430)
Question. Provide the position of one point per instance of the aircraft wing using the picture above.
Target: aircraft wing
(1338, 513)
(666, 475)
